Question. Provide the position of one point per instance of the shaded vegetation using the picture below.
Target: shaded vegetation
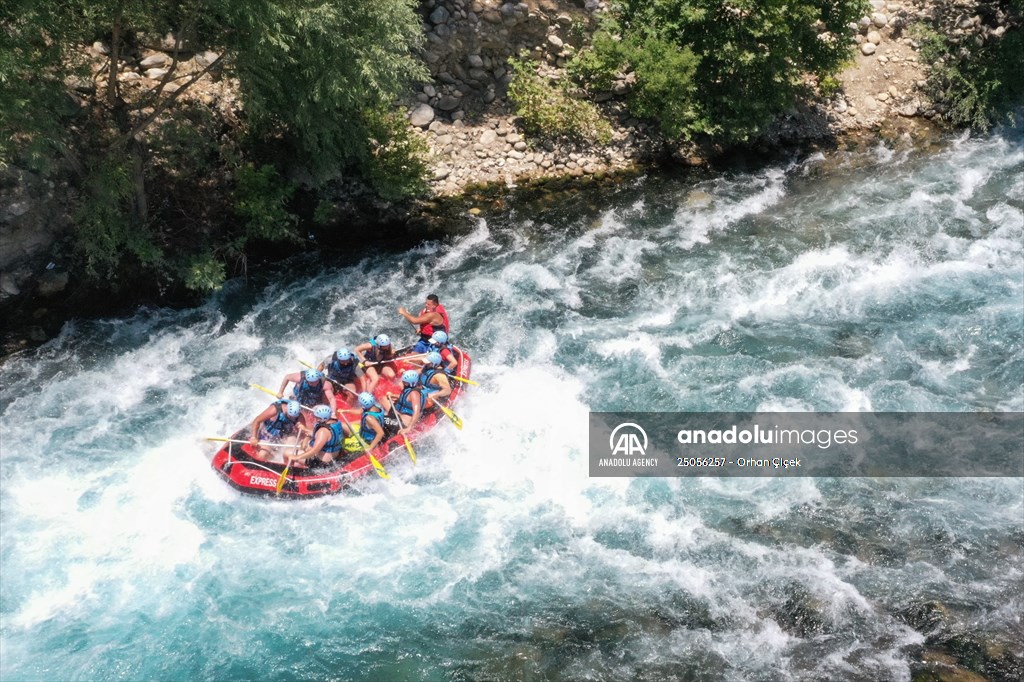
(724, 70)
(549, 111)
(978, 79)
(175, 187)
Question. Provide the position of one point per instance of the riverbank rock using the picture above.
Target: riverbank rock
(422, 115)
(34, 214)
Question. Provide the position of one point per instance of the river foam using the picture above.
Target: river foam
(895, 285)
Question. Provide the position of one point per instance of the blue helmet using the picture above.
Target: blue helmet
(322, 412)
(433, 358)
(343, 354)
(366, 400)
(293, 409)
(383, 340)
(410, 377)
(313, 375)
(439, 337)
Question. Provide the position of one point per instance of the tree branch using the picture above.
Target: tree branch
(115, 52)
(162, 106)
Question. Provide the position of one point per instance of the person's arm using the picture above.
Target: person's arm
(258, 422)
(431, 317)
(416, 399)
(378, 433)
(452, 362)
(361, 349)
(329, 392)
(294, 378)
(446, 389)
(318, 444)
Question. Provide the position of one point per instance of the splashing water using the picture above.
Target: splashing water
(893, 284)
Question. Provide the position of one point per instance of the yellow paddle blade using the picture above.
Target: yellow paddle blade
(263, 388)
(408, 446)
(280, 481)
(466, 381)
(451, 415)
(305, 364)
(377, 466)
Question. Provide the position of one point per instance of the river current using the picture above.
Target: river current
(876, 281)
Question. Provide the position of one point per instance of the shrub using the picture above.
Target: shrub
(548, 111)
(204, 272)
(981, 84)
(723, 69)
(396, 166)
(260, 199)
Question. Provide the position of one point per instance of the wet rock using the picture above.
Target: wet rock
(8, 285)
(448, 103)
(439, 15)
(909, 110)
(800, 614)
(52, 282)
(925, 616)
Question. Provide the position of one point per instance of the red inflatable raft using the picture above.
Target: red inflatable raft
(242, 466)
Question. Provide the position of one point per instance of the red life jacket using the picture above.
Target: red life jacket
(427, 330)
(444, 316)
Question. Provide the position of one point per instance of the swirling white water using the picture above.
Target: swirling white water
(880, 282)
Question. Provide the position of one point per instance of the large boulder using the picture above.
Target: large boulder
(422, 115)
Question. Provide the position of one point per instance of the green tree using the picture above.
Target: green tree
(723, 68)
(315, 78)
(979, 80)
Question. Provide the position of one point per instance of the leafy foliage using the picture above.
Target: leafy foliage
(205, 272)
(320, 72)
(397, 167)
(107, 240)
(980, 83)
(722, 68)
(260, 201)
(548, 111)
(317, 79)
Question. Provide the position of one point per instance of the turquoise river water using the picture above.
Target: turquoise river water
(878, 281)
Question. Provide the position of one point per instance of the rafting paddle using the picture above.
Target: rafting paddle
(456, 420)
(408, 443)
(362, 443)
(397, 357)
(245, 442)
(465, 381)
(268, 391)
(284, 474)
